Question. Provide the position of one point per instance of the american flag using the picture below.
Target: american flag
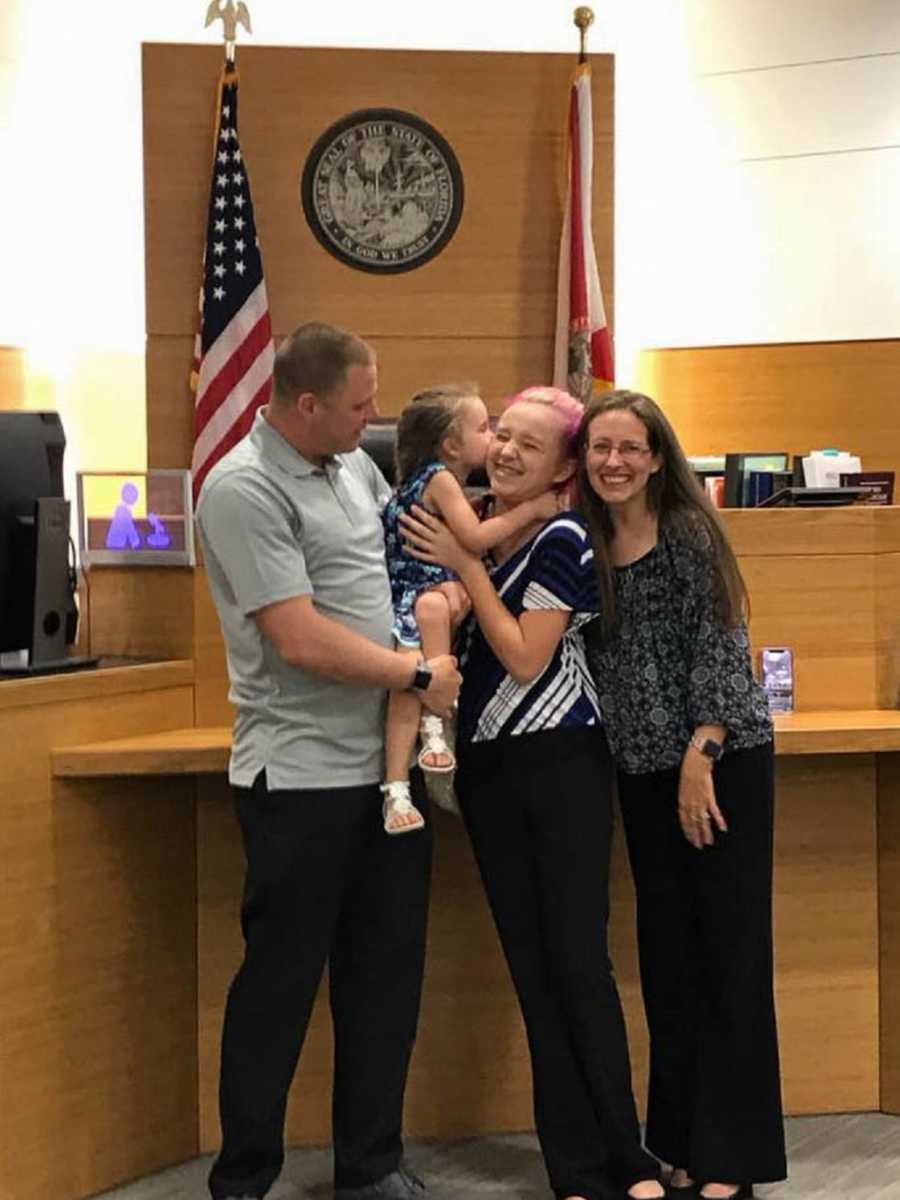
(233, 352)
(583, 361)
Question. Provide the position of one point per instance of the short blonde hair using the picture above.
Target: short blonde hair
(315, 358)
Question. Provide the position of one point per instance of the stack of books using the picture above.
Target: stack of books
(878, 486)
(751, 480)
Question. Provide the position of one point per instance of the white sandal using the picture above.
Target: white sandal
(434, 742)
(398, 802)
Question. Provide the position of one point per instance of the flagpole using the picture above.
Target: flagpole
(583, 18)
(582, 353)
(234, 352)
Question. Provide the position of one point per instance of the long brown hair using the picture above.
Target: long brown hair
(674, 494)
(428, 418)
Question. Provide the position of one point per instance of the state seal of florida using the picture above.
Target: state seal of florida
(382, 190)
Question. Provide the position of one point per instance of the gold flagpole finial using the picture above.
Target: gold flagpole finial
(583, 19)
(231, 15)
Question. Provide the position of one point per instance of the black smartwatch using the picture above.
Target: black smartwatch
(707, 746)
(422, 677)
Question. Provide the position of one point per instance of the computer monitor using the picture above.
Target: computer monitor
(38, 614)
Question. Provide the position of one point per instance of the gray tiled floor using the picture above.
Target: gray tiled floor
(848, 1157)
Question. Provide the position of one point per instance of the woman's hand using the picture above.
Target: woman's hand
(548, 505)
(697, 807)
(427, 538)
(458, 600)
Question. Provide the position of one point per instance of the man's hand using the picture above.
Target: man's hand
(440, 695)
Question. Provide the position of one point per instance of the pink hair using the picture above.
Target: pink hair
(567, 408)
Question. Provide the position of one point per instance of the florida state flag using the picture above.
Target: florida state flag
(583, 361)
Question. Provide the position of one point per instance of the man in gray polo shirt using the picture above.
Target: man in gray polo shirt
(292, 537)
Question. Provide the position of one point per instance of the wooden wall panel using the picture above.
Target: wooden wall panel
(781, 397)
(211, 706)
(826, 582)
(98, 943)
(470, 1069)
(484, 308)
(405, 365)
(887, 629)
(826, 932)
(504, 116)
(810, 532)
(141, 612)
(823, 608)
(889, 927)
(170, 403)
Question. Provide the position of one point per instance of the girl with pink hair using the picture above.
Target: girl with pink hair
(534, 781)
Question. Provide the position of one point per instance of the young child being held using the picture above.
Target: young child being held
(442, 436)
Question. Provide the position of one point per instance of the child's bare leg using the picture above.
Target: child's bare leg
(432, 613)
(433, 619)
(403, 714)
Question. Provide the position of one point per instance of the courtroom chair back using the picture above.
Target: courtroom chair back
(379, 440)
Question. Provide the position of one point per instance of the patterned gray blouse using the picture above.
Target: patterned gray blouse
(671, 665)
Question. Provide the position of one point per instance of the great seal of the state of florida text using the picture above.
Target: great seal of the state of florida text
(382, 190)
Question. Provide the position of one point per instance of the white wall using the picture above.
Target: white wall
(759, 179)
(758, 174)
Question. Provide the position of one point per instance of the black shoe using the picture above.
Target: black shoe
(399, 1185)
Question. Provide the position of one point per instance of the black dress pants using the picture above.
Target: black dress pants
(705, 943)
(324, 883)
(537, 808)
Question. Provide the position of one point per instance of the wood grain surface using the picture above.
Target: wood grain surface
(98, 1058)
(484, 308)
(789, 396)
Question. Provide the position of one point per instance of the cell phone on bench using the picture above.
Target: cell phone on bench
(777, 677)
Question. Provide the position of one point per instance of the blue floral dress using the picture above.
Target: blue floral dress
(409, 577)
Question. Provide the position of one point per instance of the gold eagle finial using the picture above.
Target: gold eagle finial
(231, 15)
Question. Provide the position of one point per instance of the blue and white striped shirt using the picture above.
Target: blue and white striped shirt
(555, 570)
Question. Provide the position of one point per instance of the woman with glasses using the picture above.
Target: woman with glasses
(691, 734)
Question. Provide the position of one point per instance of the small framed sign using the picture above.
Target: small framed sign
(138, 518)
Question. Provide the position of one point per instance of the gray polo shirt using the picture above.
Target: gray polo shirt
(274, 526)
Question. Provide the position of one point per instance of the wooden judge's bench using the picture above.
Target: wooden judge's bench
(123, 869)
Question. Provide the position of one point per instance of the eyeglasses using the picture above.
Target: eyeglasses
(627, 451)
